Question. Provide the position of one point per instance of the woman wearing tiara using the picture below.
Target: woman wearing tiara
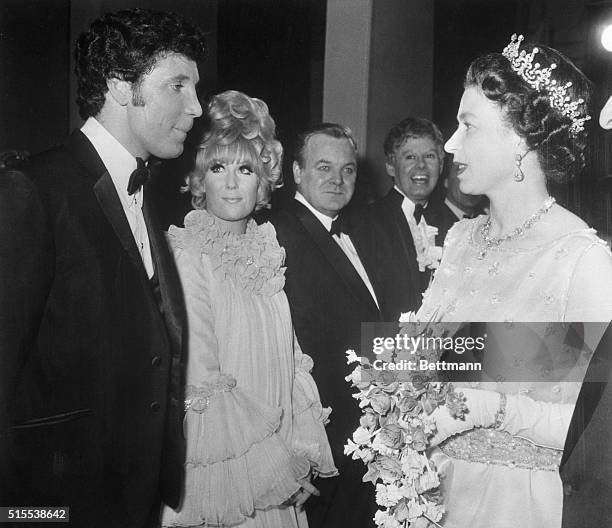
(254, 424)
(521, 125)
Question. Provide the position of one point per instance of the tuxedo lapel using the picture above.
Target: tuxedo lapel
(334, 255)
(361, 239)
(394, 204)
(166, 270)
(106, 194)
(108, 199)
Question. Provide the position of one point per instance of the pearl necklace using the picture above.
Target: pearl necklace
(491, 242)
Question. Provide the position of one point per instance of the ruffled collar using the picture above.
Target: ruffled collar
(252, 261)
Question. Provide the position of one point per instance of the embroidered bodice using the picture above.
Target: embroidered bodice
(518, 284)
(253, 261)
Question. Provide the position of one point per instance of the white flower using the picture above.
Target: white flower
(378, 445)
(367, 455)
(429, 258)
(361, 436)
(355, 376)
(350, 447)
(414, 510)
(434, 511)
(352, 357)
(413, 462)
(385, 520)
(408, 317)
(388, 495)
(428, 254)
(394, 493)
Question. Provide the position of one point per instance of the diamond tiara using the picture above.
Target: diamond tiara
(540, 79)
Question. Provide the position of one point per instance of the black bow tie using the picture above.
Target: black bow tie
(418, 212)
(139, 176)
(338, 226)
(470, 215)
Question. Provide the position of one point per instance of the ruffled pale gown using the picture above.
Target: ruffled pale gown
(254, 424)
(492, 479)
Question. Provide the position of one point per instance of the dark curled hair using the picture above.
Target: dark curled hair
(544, 128)
(412, 127)
(126, 45)
(239, 128)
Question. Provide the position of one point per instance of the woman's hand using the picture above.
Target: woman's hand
(299, 498)
(483, 405)
(304, 494)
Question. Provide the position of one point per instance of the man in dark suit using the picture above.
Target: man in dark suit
(586, 466)
(91, 312)
(414, 150)
(335, 280)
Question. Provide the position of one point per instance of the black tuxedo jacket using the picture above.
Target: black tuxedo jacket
(91, 354)
(438, 214)
(388, 211)
(329, 301)
(395, 279)
(586, 466)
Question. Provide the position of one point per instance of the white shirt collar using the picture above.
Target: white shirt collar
(458, 212)
(118, 161)
(324, 219)
(408, 204)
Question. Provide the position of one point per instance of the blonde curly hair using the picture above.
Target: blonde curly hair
(240, 128)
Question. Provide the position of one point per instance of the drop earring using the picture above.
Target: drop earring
(519, 176)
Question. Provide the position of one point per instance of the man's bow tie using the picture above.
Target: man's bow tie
(338, 226)
(418, 212)
(139, 176)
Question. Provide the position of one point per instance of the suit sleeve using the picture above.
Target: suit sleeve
(26, 269)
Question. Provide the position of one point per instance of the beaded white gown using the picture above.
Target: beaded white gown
(254, 423)
(492, 479)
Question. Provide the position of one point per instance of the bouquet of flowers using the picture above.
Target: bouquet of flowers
(395, 429)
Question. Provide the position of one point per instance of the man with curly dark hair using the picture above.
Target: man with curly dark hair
(92, 318)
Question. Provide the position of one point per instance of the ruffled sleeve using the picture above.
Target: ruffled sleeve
(310, 418)
(236, 462)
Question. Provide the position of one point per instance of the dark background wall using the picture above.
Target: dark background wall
(275, 50)
(34, 75)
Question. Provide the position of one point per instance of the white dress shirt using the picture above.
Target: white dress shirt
(408, 209)
(345, 243)
(120, 164)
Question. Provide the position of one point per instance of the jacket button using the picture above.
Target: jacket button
(567, 489)
(156, 361)
(155, 406)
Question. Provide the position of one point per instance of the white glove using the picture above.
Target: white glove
(542, 423)
(482, 407)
